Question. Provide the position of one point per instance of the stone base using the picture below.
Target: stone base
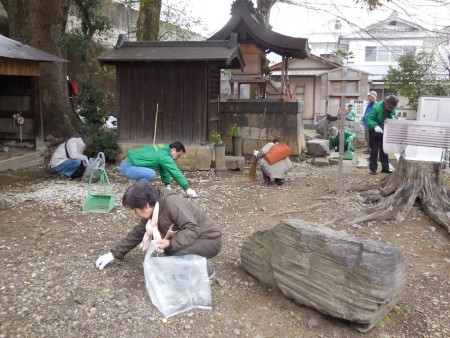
(321, 161)
(234, 162)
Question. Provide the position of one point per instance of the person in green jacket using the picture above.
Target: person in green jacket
(333, 140)
(375, 124)
(350, 113)
(144, 162)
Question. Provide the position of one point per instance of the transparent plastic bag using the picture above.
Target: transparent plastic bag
(94, 163)
(177, 283)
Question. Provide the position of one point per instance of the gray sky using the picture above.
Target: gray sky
(299, 21)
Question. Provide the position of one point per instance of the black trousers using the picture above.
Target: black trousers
(376, 151)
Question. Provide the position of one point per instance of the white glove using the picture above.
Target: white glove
(255, 153)
(378, 129)
(104, 260)
(168, 187)
(191, 193)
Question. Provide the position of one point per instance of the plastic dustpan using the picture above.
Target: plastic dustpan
(348, 154)
(100, 198)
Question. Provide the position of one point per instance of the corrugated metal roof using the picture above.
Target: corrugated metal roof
(226, 51)
(13, 49)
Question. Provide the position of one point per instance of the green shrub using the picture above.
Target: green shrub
(233, 129)
(215, 137)
(106, 141)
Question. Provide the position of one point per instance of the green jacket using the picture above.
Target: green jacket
(158, 158)
(350, 115)
(375, 116)
(333, 142)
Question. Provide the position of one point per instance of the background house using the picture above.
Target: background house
(377, 47)
(320, 83)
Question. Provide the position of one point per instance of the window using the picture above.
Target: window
(385, 54)
(371, 53)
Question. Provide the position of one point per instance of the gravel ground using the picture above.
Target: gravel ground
(49, 286)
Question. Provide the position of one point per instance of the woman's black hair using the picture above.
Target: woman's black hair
(139, 194)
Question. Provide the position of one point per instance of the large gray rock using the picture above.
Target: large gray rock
(343, 276)
(317, 147)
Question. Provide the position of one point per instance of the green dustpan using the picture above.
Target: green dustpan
(100, 198)
(348, 155)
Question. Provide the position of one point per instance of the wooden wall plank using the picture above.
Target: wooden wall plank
(19, 67)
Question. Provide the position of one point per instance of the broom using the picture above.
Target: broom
(252, 170)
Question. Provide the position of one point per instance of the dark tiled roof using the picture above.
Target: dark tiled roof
(13, 49)
(225, 51)
(251, 29)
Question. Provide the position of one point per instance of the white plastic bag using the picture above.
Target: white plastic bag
(94, 163)
(177, 283)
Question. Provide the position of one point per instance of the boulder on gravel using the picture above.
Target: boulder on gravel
(317, 147)
(340, 275)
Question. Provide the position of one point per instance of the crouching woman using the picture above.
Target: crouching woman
(193, 232)
(276, 169)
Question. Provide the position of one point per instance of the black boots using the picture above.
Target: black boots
(279, 181)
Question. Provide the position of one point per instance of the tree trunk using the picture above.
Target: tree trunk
(264, 7)
(148, 20)
(41, 24)
(412, 181)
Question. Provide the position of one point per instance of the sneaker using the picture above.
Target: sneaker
(210, 270)
(373, 172)
(61, 176)
(367, 151)
(386, 171)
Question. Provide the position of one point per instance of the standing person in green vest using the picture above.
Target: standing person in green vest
(144, 162)
(375, 123)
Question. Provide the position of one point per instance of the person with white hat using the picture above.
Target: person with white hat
(371, 98)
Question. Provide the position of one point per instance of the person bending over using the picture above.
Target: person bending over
(68, 160)
(333, 140)
(275, 171)
(195, 232)
(375, 123)
(144, 162)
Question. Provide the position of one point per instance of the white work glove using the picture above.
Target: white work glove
(255, 153)
(191, 193)
(168, 187)
(378, 129)
(104, 260)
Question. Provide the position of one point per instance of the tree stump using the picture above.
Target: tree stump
(412, 181)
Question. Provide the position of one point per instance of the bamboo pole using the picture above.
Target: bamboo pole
(156, 123)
